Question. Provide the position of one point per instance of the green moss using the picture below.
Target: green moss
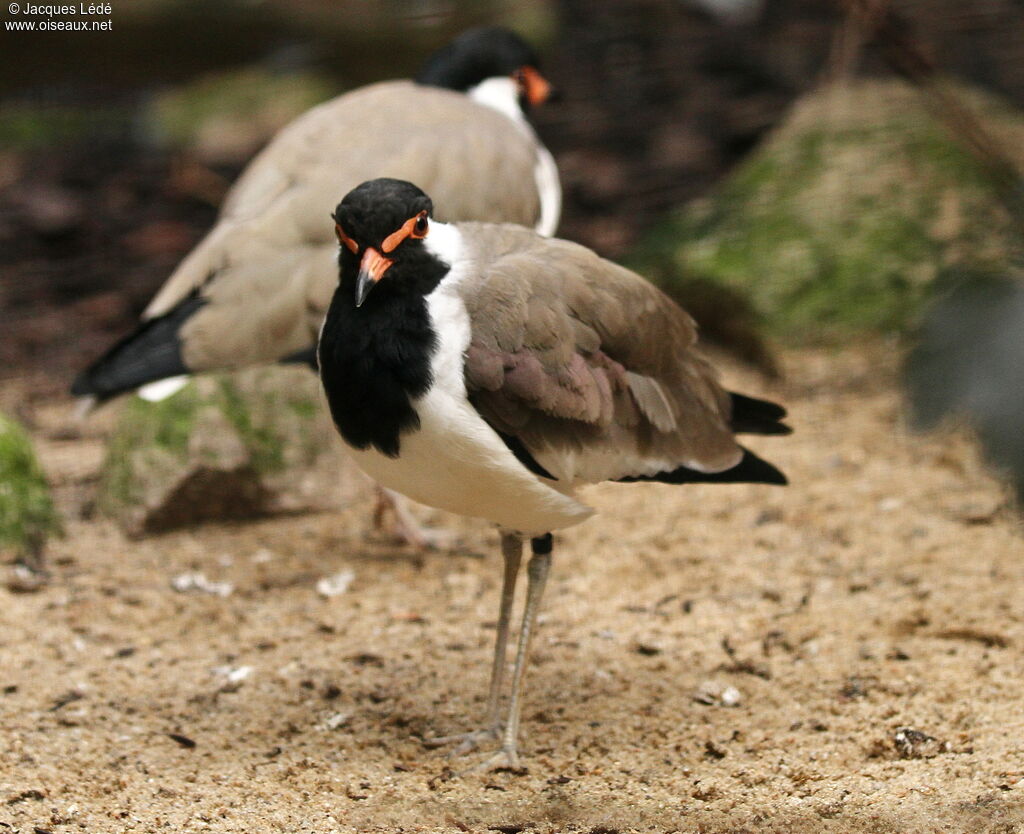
(27, 514)
(840, 222)
(165, 425)
(263, 441)
(305, 409)
(271, 415)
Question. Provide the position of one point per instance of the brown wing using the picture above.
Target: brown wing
(586, 364)
(267, 267)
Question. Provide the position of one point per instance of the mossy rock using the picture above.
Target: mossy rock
(226, 446)
(226, 117)
(839, 223)
(27, 514)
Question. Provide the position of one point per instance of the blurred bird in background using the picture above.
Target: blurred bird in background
(968, 363)
(256, 288)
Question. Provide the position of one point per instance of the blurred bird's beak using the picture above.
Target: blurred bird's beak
(371, 270)
(538, 88)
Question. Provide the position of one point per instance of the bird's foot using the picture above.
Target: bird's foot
(465, 742)
(424, 538)
(405, 528)
(504, 759)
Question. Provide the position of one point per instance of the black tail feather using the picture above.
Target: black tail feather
(152, 352)
(753, 416)
(750, 470)
(305, 356)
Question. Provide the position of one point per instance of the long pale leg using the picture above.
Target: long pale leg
(537, 572)
(407, 529)
(512, 553)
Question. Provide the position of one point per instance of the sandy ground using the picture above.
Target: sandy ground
(880, 591)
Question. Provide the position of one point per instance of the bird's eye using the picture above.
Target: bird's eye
(419, 229)
(415, 227)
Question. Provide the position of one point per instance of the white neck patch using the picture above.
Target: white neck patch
(444, 241)
(501, 94)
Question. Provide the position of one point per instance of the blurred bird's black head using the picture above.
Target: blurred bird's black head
(381, 226)
(483, 53)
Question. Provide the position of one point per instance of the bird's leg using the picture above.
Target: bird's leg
(537, 572)
(406, 528)
(512, 553)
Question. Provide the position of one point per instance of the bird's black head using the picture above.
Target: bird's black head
(487, 52)
(381, 226)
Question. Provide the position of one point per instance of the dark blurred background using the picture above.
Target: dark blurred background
(116, 147)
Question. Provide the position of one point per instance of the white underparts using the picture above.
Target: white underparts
(502, 94)
(455, 461)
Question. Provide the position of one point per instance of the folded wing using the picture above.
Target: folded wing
(589, 369)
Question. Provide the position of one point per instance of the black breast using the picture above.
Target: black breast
(373, 361)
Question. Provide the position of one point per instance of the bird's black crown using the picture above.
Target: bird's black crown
(476, 55)
(372, 211)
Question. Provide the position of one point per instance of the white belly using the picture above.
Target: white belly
(455, 461)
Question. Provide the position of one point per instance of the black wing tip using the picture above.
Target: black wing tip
(751, 469)
(756, 470)
(121, 372)
(751, 415)
(89, 383)
(305, 356)
(772, 429)
(151, 352)
(767, 408)
(82, 386)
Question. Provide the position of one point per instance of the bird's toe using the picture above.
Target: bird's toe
(426, 538)
(465, 742)
(405, 528)
(507, 758)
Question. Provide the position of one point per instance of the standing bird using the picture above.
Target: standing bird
(488, 371)
(255, 289)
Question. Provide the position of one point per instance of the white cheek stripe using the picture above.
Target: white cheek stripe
(502, 95)
(444, 241)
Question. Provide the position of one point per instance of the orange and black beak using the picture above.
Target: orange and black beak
(371, 269)
(536, 87)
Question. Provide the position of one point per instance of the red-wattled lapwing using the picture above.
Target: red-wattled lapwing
(255, 289)
(489, 371)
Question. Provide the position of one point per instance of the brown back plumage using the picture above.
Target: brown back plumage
(588, 365)
(272, 252)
